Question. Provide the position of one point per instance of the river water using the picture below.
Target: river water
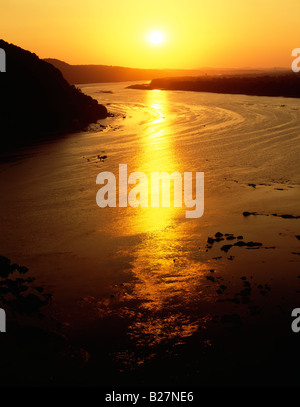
(144, 270)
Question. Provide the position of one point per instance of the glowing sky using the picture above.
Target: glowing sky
(197, 33)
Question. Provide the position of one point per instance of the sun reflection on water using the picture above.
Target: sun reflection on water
(166, 281)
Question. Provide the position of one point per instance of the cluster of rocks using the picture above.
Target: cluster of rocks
(246, 214)
(99, 158)
(18, 294)
(219, 237)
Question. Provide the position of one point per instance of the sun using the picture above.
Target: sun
(156, 38)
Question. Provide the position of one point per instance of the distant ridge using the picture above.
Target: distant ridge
(80, 74)
(39, 102)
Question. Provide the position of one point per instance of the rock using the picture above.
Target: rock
(253, 244)
(246, 292)
(240, 244)
(246, 214)
(286, 216)
(226, 247)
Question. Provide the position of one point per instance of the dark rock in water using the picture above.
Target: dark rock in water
(240, 244)
(102, 157)
(210, 278)
(298, 237)
(17, 293)
(230, 238)
(210, 240)
(246, 292)
(5, 267)
(286, 216)
(104, 91)
(39, 102)
(219, 234)
(246, 214)
(226, 247)
(22, 269)
(240, 237)
(4, 261)
(253, 244)
(34, 350)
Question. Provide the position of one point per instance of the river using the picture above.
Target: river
(147, 270)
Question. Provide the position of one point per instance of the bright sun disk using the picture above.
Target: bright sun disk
(156, 38)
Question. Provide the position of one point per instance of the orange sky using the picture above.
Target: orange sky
(198, 33)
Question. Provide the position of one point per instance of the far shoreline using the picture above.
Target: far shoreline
(287, 86)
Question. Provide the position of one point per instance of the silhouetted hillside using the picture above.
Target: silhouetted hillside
(38, 101)
(103, 73)
(287, 85)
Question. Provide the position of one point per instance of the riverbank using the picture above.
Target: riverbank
(284, 85)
